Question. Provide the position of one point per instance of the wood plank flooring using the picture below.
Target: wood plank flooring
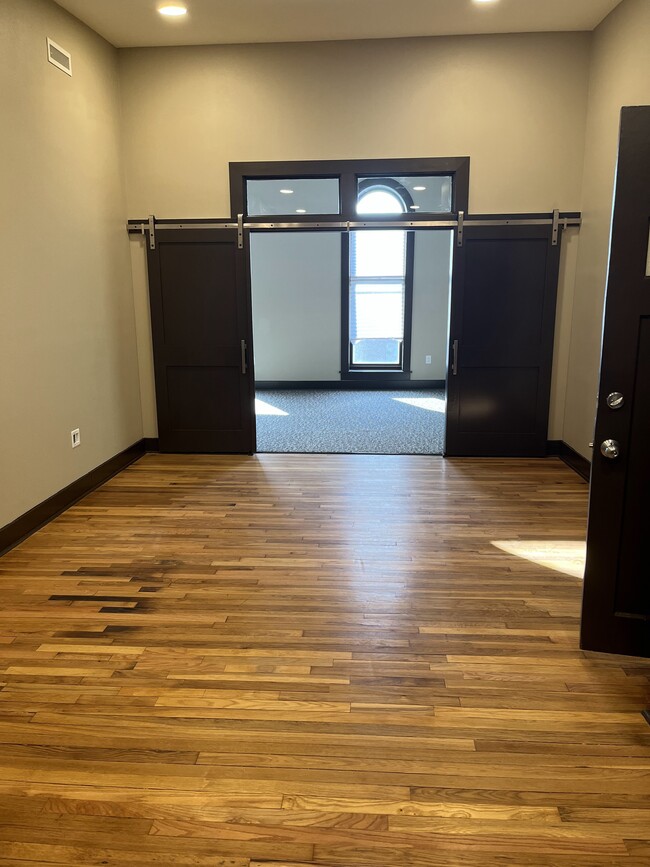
(289, 660)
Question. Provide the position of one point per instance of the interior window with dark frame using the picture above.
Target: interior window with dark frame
(287, 196)
(421, 194)
(378, 283)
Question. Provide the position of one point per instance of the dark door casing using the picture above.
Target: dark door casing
(502, 327)
(199, 318)
(616, 599)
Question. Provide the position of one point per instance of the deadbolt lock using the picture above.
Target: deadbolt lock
(615, 400)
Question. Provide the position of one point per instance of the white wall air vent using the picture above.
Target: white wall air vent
(59, 57)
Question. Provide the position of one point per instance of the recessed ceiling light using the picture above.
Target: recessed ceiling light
(300, 211)
(414, 207)
(419, 189)
(173, 10)
(286, 192)
(485, 1)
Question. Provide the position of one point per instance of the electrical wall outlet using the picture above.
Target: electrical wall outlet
(75, 436)
(427, 359)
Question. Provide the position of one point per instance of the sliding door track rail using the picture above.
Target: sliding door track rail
(558, 220)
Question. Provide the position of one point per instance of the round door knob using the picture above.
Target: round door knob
(610, 449)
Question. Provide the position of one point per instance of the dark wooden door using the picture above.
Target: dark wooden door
(501, 341)
(201, 342)
(616, 601)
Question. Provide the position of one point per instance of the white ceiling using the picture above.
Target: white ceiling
(130, 23)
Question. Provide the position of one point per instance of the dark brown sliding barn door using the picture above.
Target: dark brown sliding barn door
(501, 341)
(201, 341)
(616, 602)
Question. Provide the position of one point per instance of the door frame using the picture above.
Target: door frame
(348, 172)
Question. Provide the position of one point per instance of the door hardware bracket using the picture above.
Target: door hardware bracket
(461, 221)
(556, 228)
(240, 231)
(152, 232)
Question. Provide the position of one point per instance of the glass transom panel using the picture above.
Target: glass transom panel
(290, 196)
(420, 194)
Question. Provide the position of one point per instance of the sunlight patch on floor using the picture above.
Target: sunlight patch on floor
(264, 408)
(566, 557)
(433, 404)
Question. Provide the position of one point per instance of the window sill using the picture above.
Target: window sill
(372, 374)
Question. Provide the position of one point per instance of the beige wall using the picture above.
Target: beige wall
(515, 104)
(620, 75)
(431, 288)
(296, 294)
(67, 334)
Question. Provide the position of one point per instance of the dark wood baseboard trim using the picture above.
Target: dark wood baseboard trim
(15, 532)
(574, 460)
(554, 448)
(349, 385)
(558, 448)
(151, 444)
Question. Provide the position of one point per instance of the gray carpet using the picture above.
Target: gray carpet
(351, 422)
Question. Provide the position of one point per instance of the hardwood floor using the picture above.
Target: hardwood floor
(308, 659)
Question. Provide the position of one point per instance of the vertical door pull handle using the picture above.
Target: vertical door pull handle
(244, 366)
(454, 358)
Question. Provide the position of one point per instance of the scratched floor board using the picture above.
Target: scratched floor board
(332, 660)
